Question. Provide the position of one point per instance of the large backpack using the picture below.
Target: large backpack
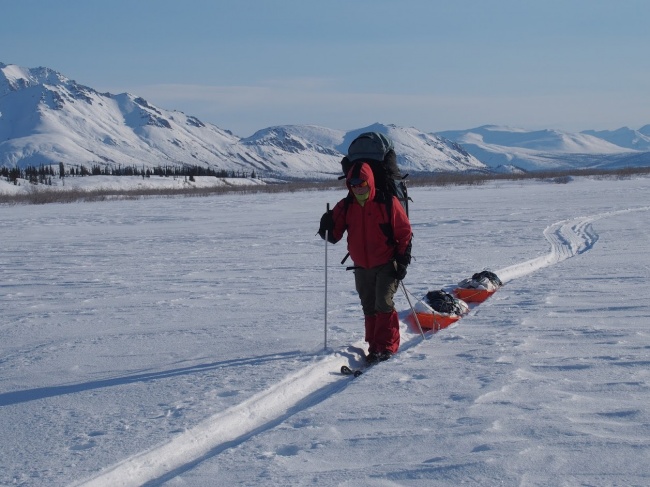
(443, 302)
(378, 152)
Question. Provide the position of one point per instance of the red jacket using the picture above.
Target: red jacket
(368, 244)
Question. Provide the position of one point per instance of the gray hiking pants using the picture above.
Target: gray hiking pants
(376, 287)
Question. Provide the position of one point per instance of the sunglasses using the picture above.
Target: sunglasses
(358, 183)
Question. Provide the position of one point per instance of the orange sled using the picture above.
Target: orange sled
(433, 321)
(473, 295)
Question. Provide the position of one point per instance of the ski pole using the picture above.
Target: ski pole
(327, 236)
(412, 309)
(419, 300)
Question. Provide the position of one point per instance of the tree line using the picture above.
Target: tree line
(43, 174)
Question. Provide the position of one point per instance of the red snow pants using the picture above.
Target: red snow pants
(376, 288)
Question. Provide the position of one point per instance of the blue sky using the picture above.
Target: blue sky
(244, 65)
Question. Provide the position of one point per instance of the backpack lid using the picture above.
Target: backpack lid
(369, 145)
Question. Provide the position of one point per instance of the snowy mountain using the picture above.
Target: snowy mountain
(46, 118)
(416, 151)
(545, 149)
(420, 152)
(625, 137)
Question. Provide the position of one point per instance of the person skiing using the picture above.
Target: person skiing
(379, 243)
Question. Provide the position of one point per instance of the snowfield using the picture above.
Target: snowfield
(180, 342)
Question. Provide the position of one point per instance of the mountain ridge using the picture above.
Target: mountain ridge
(548, 149)
(47, 118)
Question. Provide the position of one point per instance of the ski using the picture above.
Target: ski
(345, 370)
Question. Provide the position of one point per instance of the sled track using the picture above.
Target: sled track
(567, 238)
(305, 388)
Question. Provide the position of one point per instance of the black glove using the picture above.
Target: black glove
(326, 225)
(401, 263)
(400, 271)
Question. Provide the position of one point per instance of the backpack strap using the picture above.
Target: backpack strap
(347, 201)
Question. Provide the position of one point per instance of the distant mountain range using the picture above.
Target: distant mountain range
(553, 149)
(46, 118)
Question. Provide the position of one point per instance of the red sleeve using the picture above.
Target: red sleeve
(339, 214)
(401, 226)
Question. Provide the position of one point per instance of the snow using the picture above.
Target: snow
(624, 137)
(48, 118)
(537, 140)
(13, 72)
(179, 342)
(124, 183)
(543, 149)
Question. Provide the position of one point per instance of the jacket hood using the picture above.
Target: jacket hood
(363, 171)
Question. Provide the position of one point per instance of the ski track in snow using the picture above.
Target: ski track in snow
(306, 387)
(567, 238)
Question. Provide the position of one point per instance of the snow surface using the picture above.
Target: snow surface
(124, 183)
(179, 342)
